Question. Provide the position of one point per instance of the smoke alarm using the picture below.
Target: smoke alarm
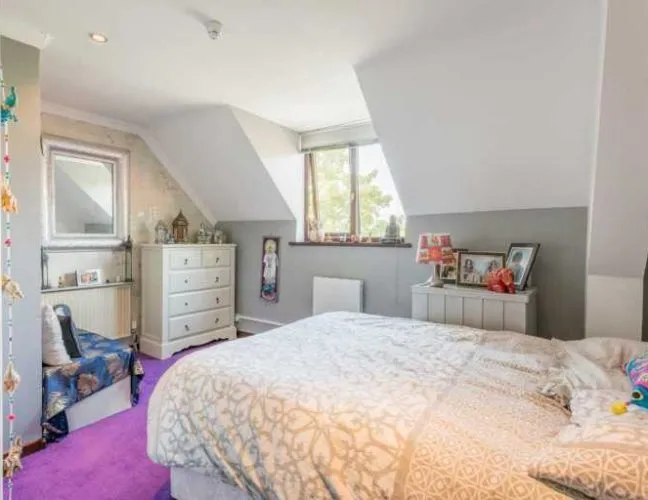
(214, 29)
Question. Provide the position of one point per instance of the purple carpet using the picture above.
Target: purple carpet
(104, 461)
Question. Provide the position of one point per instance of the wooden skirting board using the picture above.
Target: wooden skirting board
(32, 447)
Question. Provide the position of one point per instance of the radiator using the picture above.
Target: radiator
(104, 310)
(337, 294)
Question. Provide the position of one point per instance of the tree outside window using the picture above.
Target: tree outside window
(352, 192)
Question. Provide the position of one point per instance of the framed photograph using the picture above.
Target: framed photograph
(270, 269)
(89, 277)
(68, 280)
(473, 267)
(520, 260)
(449, 265)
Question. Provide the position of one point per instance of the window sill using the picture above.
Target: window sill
(348, 244)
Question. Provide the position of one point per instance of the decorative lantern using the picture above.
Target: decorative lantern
(219, 236)
(180, 227)
(128, 259)
(161, 233)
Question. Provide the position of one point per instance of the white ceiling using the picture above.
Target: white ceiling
(289, 61)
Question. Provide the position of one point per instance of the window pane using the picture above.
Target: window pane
(377, 193)
(333, 175)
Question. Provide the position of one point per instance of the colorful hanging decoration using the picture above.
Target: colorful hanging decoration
(10, 289)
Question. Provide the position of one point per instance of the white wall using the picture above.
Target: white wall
(618, 238)
(495, 112)
(21, 65)
(278, 150)
(212, 153)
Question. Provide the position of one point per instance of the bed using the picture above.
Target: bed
(346, 405)
(102, 382)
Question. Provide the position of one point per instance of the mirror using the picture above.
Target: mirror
(86, 194)
(84, 198)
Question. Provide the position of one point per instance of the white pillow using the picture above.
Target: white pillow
(54, 353)
(594, 363)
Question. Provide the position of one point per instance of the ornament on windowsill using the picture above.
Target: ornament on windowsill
(392, 233)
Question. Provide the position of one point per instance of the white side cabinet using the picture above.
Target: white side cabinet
(187, 296)
(477, 308)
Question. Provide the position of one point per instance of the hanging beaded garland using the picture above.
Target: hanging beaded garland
(10, 289)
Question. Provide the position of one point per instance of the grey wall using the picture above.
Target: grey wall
(21, 66)
(389, 272)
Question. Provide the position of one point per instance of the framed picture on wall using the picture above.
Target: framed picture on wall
(520, 260)
(270, 269)
(473, 267)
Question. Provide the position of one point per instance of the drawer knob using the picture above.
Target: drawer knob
(186, 281)
(217, 259)
(217, 279)
(186, 304)
(218, 300)
(187, 327)
(217, 319)
(186, 262)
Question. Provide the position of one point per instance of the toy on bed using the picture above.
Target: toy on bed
(637, 371)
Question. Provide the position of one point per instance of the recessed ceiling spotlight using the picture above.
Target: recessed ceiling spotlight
(98, 38)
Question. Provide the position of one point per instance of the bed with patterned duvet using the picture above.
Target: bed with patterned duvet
(346, 405)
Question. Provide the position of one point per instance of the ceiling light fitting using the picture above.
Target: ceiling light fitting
(98, 37)
(214, 29)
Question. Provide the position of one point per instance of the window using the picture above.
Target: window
(350, 192)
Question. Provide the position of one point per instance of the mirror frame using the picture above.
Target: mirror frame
(52, 145)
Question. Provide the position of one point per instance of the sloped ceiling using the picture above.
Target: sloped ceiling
(278, 149)
(209, 149)
(619, 210)
(496, 112)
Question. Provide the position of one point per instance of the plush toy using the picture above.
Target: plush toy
(9, 202)
(11, 288)
(11, 462)
(637, 371)
(7, 107)
(500, 281)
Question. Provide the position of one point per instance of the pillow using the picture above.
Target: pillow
(595, 363)
(54, 352)
(609, 352)
(605, 457)
(70, 334)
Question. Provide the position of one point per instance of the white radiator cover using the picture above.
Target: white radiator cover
(102, 310)
(337, 294)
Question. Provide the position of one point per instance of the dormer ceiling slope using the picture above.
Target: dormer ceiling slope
(493, 112)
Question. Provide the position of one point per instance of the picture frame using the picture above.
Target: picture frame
(68, 280)
(449, 266)
(520, 259)
(270, 269)
(473, 267)
(90, 277)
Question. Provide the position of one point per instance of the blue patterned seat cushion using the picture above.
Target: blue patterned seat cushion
(104, 363)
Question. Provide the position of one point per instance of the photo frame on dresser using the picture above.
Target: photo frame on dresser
(520, 259)
(473, 267)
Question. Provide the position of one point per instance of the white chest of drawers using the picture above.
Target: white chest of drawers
(476, 307)
(187, 296)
